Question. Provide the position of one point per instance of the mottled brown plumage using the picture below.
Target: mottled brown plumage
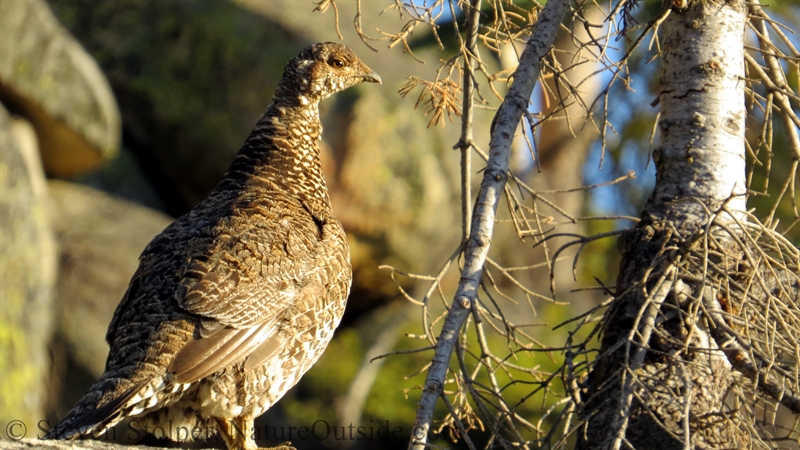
(234, 301)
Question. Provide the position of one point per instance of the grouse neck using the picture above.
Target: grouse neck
(282, 153)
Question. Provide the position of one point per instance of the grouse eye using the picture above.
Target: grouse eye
(336, 62)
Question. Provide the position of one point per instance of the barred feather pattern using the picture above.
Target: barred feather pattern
(234, 301)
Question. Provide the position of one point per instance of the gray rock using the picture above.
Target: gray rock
(46, 76)
(191, 77)
(27, 275)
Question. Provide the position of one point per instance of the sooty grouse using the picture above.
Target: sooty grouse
(234, 301)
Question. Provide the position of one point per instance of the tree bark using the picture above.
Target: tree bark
(661, 379)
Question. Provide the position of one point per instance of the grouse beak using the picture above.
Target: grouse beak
(372, 77)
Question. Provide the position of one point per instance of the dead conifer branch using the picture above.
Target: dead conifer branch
(323, 6)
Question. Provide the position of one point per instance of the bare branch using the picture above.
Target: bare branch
(495, 176)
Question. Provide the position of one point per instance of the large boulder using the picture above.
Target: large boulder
(46, 76)
(27, 275)
(65, 122)
(191, 78)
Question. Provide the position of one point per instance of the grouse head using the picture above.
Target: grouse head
(321, 70)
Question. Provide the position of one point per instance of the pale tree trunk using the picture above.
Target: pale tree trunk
(661, 378)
